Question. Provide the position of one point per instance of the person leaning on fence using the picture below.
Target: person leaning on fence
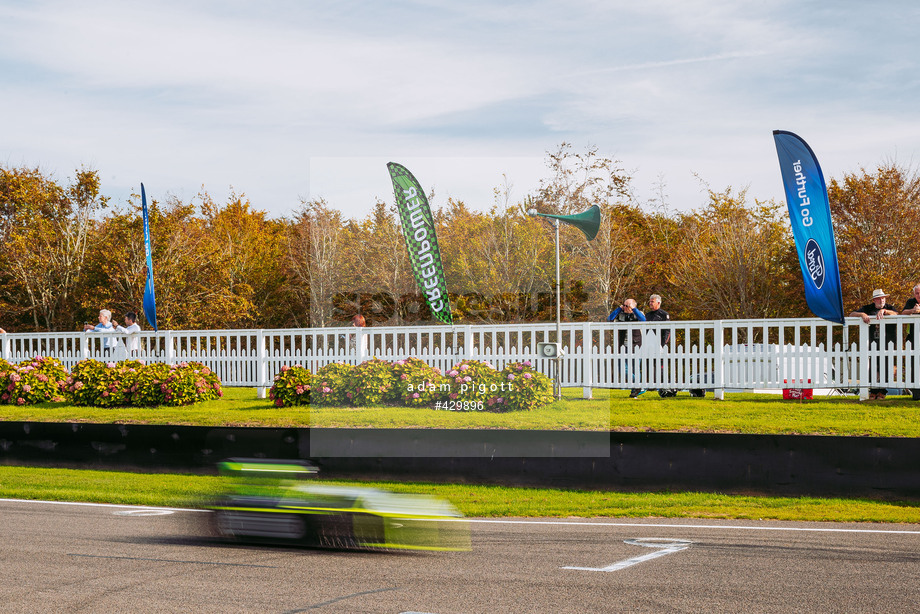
(629, 312)
(132, 328)
(912, 308)
(104, 326)
(657, 314)
(878, 310)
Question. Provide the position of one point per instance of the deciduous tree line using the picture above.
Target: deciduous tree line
(66, 251)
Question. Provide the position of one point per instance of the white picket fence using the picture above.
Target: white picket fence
(711, 355)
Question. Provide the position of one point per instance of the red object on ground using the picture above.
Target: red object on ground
(797, 394)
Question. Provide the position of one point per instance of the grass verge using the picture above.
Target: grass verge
(476, 501)
(897, 416)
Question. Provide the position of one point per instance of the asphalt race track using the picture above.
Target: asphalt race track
(90, 558)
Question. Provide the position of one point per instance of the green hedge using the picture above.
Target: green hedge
(470, 384)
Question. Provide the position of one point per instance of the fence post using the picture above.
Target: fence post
(5, 346)
(587, 361)
(361, 345)
(468, 342)
(719, 361)
(170, 350)
(863, 354)
(262, 364)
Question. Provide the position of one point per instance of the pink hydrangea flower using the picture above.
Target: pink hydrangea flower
(415, 395)
(511, 376)
(464, 367)
(110, 365)
(20, 401)
(527, 376)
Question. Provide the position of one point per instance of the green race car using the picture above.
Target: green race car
(271, 500)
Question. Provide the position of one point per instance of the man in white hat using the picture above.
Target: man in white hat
(878, 310)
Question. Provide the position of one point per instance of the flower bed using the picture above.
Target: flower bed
(98, 384)
(469, 385)
(38, 380)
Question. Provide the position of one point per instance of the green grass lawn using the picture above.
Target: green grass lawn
(897, 416)
(478, 501)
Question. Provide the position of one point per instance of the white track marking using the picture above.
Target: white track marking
(108, 505)
(144, 512)
(665, 546)
(536, 522)
(687, 526)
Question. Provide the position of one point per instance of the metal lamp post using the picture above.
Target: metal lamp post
(588, 222)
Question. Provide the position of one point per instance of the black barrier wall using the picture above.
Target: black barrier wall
(774, 464)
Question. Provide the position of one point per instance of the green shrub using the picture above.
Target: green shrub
(370, 383)
(291, 387)
(330, 384)
(98, 384)
(418, 384)
(38, 380)
(473, 383)
(527, 389)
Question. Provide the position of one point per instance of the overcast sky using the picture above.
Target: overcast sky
(284, 100)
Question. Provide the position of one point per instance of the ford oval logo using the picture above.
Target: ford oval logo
(814, 262)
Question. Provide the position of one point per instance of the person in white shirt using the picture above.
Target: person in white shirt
(132, 327)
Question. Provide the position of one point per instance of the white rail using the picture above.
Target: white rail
(712, 355)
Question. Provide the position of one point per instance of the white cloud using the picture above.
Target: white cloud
(278, 98)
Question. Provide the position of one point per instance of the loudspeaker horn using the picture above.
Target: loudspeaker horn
(589, 222)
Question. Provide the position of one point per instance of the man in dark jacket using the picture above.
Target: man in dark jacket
(877, 310)
(657, 314)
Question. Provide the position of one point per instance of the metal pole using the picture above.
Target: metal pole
(557, 384)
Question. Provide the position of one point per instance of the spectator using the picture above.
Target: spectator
(132, 328)
(912, 308)
(629, 312)
(105, 325)
(657, 314)
(876, 309)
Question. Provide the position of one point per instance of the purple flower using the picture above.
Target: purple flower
(527, 376)
(511, 376)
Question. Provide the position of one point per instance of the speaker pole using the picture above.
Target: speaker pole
(557, 380)
(588, 222)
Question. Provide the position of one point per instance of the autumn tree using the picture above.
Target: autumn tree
(316, 255)
(45, 229)
(733, 262)
(877, 227)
